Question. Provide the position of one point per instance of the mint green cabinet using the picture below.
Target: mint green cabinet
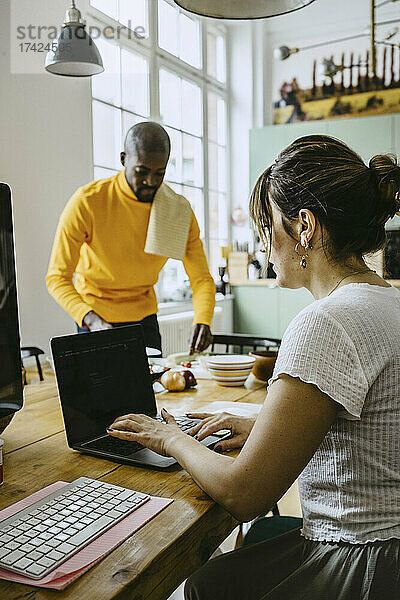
(395, 222)
(266, 311)
(267, 142)
(366, 135)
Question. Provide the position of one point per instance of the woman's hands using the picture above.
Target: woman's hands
(240, 428)
(147, 431)
(161, 437)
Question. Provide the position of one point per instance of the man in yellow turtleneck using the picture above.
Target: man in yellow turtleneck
(99, 271)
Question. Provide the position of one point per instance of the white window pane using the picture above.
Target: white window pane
(212, 54)
(213, 167)
(213, 214)
(191, 108)
(128, 121)
(195, 197)
(174, 278)
(174, 167)
(221, 56)
(100, 173)
(133, 13)
(108, 7)
(221, 121)
(107, 85)
(222, 216)
(168, 32)
(222, 175)
(135, 83)
(216, 56)
(170, 99)
(175, 186)
(216, 259)
(189, 37)
(106, 135)
(192, 160)
(212, 117)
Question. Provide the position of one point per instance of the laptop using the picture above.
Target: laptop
(103, 375)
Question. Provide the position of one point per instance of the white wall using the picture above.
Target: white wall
(45, 154)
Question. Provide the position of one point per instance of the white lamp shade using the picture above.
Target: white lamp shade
(76, 54)
(237, 9)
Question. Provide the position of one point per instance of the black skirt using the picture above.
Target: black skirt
(289, 567)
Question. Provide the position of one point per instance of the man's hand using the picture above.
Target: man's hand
(200, 338)
(94, 322)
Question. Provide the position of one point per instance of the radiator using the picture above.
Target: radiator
(175, 330)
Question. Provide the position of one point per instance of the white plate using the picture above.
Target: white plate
(152, 351)
(231, 360)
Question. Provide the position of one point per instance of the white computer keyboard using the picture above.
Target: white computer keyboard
(37, 539)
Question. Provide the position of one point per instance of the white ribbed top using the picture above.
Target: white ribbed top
(348, 344)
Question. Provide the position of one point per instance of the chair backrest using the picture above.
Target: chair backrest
(243, 340)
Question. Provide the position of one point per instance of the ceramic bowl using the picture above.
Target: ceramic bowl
(264, 363)
(230, 369)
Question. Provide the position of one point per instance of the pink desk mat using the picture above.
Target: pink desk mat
(83, 560)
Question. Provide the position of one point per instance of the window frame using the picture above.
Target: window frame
(159, 58)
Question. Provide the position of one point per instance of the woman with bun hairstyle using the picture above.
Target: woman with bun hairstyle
(332, 414)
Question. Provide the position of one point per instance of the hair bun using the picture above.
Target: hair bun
(386, 171)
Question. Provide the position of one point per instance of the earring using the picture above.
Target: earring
(303, 261)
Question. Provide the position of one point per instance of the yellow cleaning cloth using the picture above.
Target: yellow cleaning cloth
(169, 224)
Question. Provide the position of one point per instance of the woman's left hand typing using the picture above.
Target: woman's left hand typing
(153, 434)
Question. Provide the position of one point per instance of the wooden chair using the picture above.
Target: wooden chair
(28, 351)
(243, 340)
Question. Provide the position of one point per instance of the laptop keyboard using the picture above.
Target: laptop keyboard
(183, 423)
(113, 445)
(34, 541)
(125, 448)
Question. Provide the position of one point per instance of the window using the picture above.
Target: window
(120, 99)
(179, 34)
(187, 97)
(217, 177)
(121, 10)
(181, 114)
(216, 55)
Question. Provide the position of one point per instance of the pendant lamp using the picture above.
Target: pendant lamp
(237, 9)
(76, 54)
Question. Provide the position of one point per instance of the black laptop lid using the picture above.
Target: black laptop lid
(100, 376)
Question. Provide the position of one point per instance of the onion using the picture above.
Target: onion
(190, 378)
(173, 381)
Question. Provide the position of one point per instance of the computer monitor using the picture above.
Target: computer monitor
(11, 394)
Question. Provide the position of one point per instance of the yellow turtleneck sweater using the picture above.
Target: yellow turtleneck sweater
(98, 260)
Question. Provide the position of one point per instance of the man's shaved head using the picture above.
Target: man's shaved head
(147, 137)
(145, 158)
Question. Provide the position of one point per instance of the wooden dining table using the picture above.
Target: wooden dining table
(152, 562)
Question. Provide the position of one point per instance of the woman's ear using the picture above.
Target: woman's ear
(307, 225)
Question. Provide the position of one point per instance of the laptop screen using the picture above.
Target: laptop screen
(100, 376)
(11, 398)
